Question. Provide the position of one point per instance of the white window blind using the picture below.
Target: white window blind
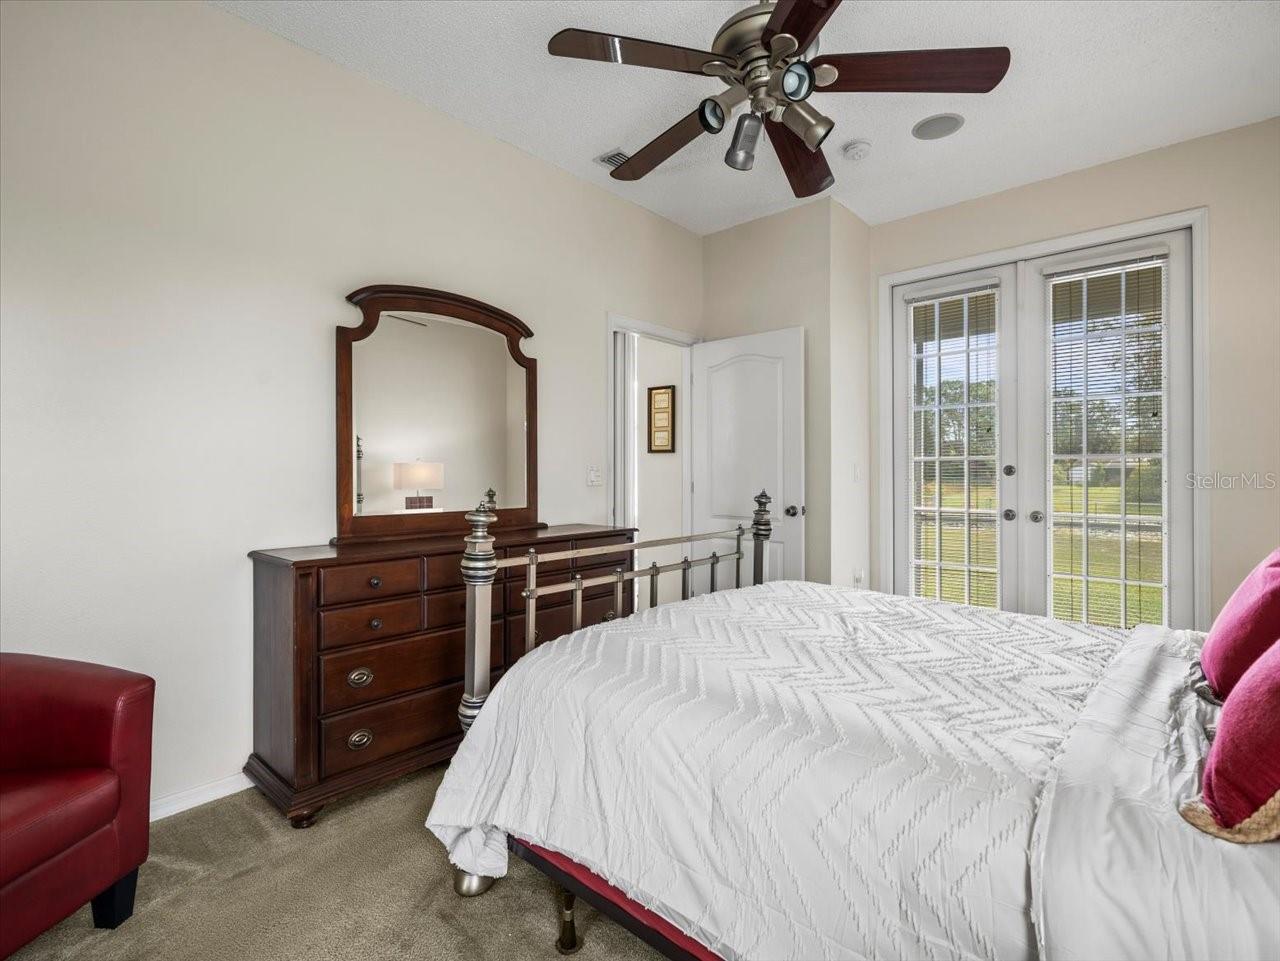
(1108, 443)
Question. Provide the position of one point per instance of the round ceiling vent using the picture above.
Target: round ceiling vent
(938, 126)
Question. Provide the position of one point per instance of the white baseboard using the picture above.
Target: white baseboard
(162, 807)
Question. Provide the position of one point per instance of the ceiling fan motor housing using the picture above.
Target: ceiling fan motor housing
(740, 39)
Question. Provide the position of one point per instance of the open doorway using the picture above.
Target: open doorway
(651, 474)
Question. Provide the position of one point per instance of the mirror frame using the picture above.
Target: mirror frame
(372, 301)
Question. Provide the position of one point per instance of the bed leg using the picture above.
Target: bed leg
(469, 885)
(568, 941)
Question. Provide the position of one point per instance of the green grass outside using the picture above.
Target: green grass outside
(1144, 562)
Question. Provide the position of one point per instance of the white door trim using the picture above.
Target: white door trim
(1197, 221)
(620, 488)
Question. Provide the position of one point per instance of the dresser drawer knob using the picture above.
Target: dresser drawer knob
(360, 677)
(375, 623)
(375, 582)
(359, 740)
(610, 615)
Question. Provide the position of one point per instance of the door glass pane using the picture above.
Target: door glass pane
(1108, 438)
(954, 446)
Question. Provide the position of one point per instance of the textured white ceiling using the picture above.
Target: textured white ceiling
(1089, 82)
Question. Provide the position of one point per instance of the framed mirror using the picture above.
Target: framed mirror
(436, 403)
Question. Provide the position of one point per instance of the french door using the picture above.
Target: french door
(1041, 430)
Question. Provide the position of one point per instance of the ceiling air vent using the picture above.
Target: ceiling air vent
(613, 159)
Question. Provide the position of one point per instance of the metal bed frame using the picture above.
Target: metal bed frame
(480, 566)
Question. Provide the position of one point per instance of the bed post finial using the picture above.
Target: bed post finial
(761, 531)
(479, 566)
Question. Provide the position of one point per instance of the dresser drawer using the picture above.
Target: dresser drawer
(622, 560)
(547, 547)
(370, 622)
(606, 590)
(516, 586)
(558, 621)
(369, 734)
(444, 570)
(450, 608)
(372, 672)
(365, 582)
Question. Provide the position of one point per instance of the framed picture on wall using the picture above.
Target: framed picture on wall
(662, 420)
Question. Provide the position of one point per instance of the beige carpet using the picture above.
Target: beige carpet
(231, 880)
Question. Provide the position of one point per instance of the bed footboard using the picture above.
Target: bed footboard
(480, 566)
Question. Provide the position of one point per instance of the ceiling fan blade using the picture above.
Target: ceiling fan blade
(806, 169)
(678, 136)
(801, 19)
(589, 45)
(965, 70)
(672, 140)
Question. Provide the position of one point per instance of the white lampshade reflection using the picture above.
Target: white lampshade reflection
(419, 475)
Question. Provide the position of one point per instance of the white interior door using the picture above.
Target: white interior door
(748, 436)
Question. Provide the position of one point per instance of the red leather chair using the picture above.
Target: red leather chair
(75, 786)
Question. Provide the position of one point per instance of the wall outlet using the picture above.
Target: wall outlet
(594, 477)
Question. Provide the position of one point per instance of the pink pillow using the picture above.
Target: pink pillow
(1241, 790)
(1245, 627)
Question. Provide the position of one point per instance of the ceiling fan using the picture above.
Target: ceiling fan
(768, 56)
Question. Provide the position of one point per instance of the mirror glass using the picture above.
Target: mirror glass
(438, 406)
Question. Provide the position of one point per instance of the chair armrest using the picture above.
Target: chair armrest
(60, 713)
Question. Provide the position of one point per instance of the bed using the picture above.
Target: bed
(794, 770)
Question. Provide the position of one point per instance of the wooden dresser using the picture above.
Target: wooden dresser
(358, 653)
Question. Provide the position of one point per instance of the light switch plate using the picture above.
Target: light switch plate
(594, 479)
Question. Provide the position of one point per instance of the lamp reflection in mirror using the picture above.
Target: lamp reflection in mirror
(418, 476)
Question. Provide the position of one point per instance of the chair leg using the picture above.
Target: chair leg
(568, 942)
(114, 906)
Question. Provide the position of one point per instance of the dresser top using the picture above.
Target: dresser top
(323, 555)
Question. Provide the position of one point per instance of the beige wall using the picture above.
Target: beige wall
(807, 267)
(187, 200)
(660, 476)
(850, 363)
(1236, 175)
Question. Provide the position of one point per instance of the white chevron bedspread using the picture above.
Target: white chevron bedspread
(787, 771)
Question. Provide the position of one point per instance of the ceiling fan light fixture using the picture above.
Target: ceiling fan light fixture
(741, 154)
(798, 81)
(711, 115)
(807, 124)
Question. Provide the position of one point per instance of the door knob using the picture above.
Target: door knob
(792, 511)
(1036, 516)
(1009, 514)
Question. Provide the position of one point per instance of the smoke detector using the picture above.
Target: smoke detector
(856, 150)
